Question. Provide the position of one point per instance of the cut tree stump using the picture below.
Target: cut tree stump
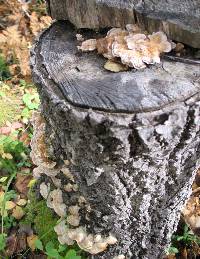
(123, 147)
(179, 19)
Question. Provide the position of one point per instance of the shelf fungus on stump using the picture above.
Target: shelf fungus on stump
(133, 47)
(69, 229)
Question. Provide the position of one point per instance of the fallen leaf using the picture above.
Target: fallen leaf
(22, 182)
(115, 67)
(10, 205)
(11, 245)
(184, 254)
(26, 229)
(21, 244)
(7, 156)
(22, 202)
(18, 212)
(5, 130)
(31, 241)
(25, 138)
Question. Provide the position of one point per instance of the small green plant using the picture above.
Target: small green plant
(172, 250)
(2, 242)
(62, 252)
(187, 237)
(13, 154)
(31, 101)
(41, 219)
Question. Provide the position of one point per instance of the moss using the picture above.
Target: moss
(42, 219)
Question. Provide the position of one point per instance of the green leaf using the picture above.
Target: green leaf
(71, 254)
(31, 100)
(172, 250)
(62, 248)
(2, 242)
(179, 238)
(25, 113)
(39, 245)
(49, 245)
(3, 179)
(52, 252)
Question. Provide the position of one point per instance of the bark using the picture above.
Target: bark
(132, 151)
(180, 20)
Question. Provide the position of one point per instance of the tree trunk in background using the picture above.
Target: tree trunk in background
(179, 19)
(116, 153)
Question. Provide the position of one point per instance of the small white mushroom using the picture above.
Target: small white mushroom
(79, 37)
(73, 220)
(67, 173)
(74, 210)
(55, 201)
(44, 190)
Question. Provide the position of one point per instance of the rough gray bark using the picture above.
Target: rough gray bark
(180, 20)
(134, 168)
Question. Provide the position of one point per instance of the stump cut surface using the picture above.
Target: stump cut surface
(85, 83)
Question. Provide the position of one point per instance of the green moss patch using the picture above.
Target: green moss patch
(41, 219)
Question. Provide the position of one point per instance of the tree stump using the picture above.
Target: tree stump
(179, 19)
(116, 153)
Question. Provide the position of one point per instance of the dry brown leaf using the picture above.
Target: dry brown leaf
(34, 23)
(22, 202)
(22, 182)
(10, 205)
(38, 24)
(45, 21)
(21, 244)
(10, 128)
(11, 245)
(31, 241)
(18, 212)
(13, 36)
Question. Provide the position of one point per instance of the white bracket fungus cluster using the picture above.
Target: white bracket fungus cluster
(69, 229)
(90, 243)
(133, 47)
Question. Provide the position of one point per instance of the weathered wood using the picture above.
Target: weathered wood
(180, 19)
(89, 14)
(84, 82)
(135, 168)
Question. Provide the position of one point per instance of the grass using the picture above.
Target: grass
(9, 107)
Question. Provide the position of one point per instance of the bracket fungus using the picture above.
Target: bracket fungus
(133, 47)
(69, 229)
(90, 243)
